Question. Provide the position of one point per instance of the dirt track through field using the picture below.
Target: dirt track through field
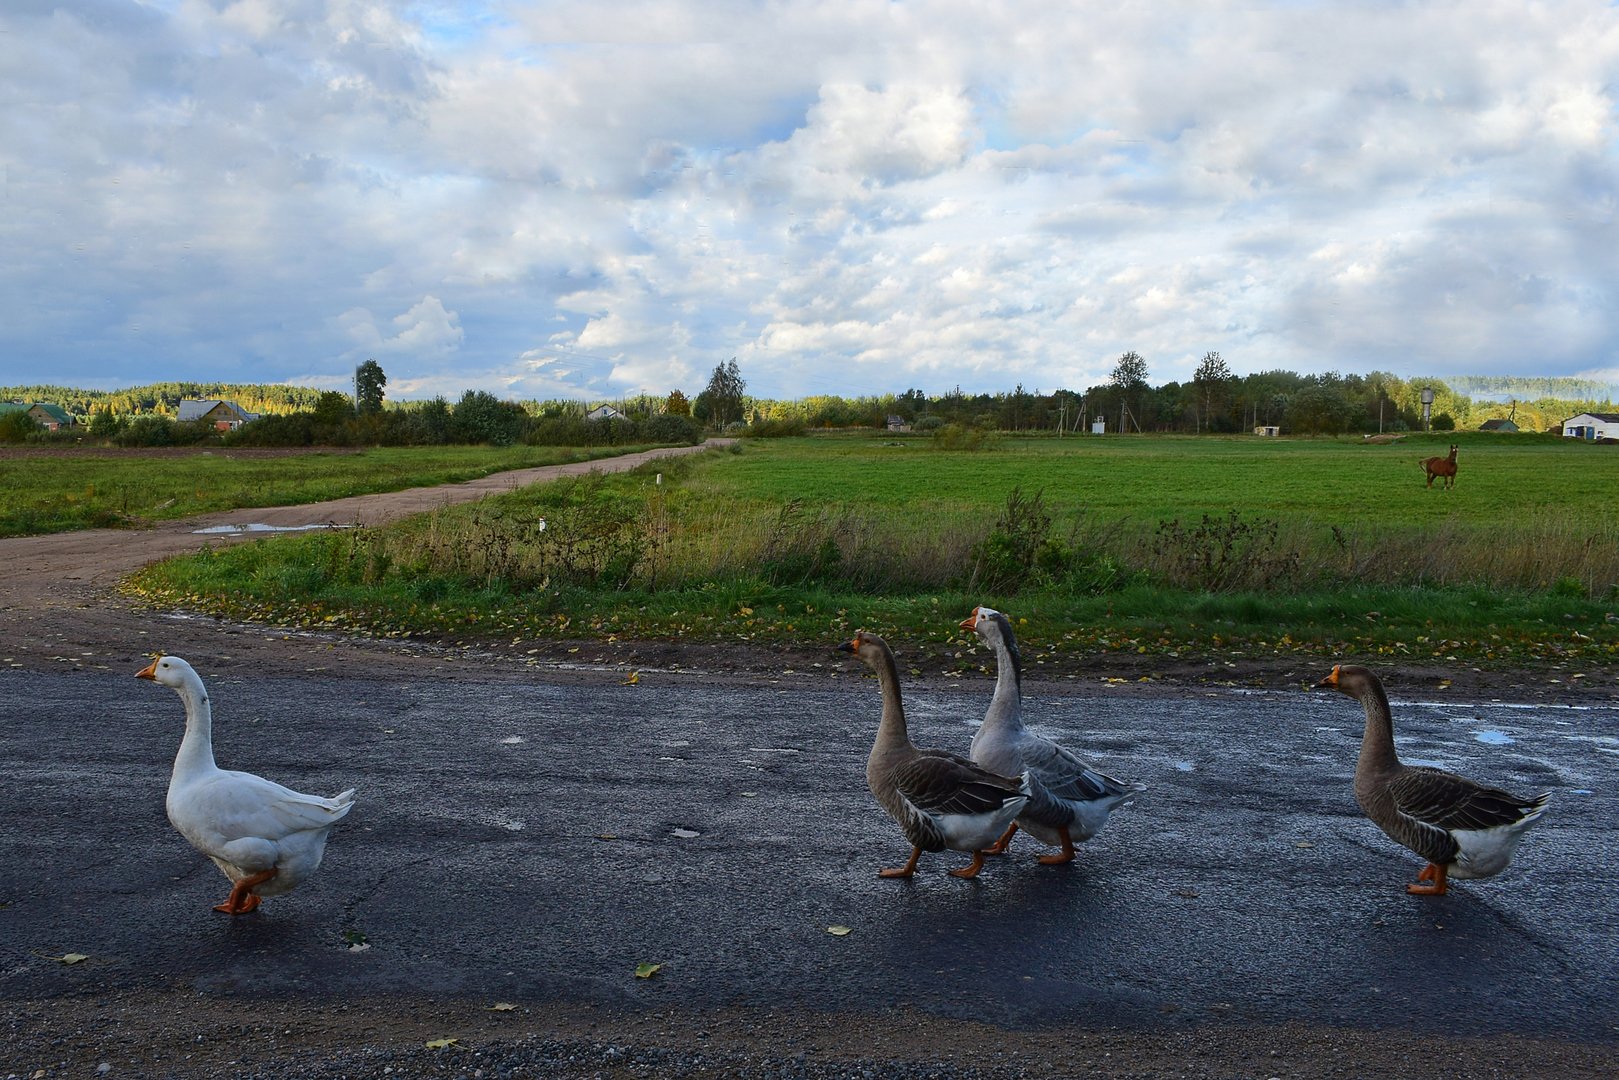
(58, 604)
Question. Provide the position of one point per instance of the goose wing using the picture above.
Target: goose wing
(1065, 775)
(939, 782)
(234, 805)
(1442, 800)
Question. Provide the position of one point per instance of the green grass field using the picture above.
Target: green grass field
(56, 492)
(1511, 478)
(1151, 545)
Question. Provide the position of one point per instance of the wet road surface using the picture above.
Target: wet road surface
(520, 842)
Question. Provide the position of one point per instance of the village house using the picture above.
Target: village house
(48, 416)
(1592, 426)
(1498, 425)
(604, 412)
(221, 415)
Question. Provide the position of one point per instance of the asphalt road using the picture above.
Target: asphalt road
(525, 841)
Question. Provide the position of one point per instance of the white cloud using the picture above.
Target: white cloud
(850, 197)
(425, 332)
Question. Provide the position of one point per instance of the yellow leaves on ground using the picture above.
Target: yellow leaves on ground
(838, 931)
(646, 971)
(502, 1006)
(440, 1044)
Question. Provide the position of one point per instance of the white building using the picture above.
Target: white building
(1600, 425)
(604, 412)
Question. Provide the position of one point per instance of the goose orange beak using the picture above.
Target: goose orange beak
(149, 671)
(1331, 680)
(848, 646)
(971, 621)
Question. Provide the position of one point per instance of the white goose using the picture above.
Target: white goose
(265, 837)
(1071, 801)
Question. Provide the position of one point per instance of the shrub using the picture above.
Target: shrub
(289, 429)
(1019, 547)
(960, 437)
(1570, 586)
(775, 429)
(161, 431)
(801, 549)
(16, 427)
(1224, 554)
(671, 428)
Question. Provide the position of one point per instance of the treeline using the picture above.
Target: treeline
(1213, 402)
(164, 398)
(1533, 388)
(1327, 404)
(478, 418)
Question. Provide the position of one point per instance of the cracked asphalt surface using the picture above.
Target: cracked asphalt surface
(528, 836)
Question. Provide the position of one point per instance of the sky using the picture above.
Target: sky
(597, 199)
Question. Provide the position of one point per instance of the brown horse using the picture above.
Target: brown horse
(1443, 467)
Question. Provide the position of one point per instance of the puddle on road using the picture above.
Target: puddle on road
(1494, 738)
(255, 527)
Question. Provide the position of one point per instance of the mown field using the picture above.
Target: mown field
(45, 491)
(1239, 546)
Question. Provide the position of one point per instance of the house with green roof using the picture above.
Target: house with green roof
(48, 416)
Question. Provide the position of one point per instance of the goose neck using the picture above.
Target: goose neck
(1377, 742)
(1006, 705)
(197, 747)
(891, 732)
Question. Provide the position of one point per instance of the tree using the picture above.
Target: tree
(1130, 376)
(481, 417)
(1319, 410)
(332, 409)
(1130, 373)
(368, 383)
(676, 404)
(723, 395)
(1212, 376)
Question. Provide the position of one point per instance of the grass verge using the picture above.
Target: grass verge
(729, 547)
(45, 492)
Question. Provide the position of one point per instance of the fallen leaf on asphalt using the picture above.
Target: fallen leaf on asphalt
(502, 1006)
(632, 678)
(440, 1044)
(646, 971)
(69, 958)
(1304, 843)
(1187, 894)
(838, 931)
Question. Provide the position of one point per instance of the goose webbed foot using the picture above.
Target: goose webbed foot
(1434, 875)
(972, 868)
(1066, 855)
(242, 899)
(904, 871)
(999, 847)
